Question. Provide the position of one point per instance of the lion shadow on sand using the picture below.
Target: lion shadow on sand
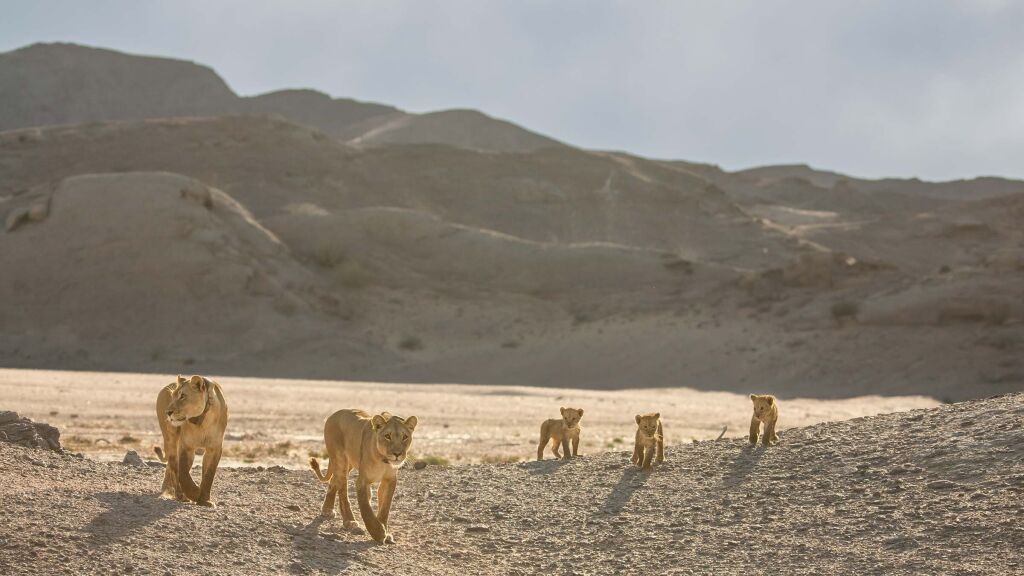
(126, 513)
(744, 463)
(545, 467)
(331, 551)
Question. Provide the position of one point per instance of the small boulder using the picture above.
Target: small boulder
(132, 458)
(419, 465)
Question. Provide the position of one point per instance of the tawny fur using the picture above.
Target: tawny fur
(376, 446)
(650, 440)
(192, 414)
(560, 432)
(766, 411)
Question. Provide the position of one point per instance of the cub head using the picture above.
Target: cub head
(571, 416)
(188, 399)
(648, 423)
(763, 404)
(393, 435)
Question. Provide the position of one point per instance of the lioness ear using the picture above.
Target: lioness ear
(410, 423)
(198, 381)
(637, 419)
(753, 396)
(180, 380)
(378, 422)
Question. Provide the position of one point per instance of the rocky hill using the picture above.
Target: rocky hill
(923, 492)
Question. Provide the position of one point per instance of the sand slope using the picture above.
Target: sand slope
(881, 495)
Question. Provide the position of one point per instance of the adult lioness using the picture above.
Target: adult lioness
(192, 414)
(376, 446)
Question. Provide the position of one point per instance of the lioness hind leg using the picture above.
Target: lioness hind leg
(348, 519)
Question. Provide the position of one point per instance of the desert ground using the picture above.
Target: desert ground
(280, 422)
(932, 491)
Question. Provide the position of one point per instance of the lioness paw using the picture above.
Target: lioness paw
(389, 539)
(207, 504)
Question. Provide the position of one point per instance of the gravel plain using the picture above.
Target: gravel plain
(934, 491)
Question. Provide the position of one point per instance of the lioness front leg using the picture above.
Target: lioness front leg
(373, 526)
(170, 487)
(385, 495)
(755, 424)
(211, 458)
(185, 482)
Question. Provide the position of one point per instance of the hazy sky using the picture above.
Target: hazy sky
(927, 88)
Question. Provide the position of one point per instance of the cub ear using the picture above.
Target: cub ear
(753, 396)
(411, 422)
(562, 410)
(770, 399)
(378, 421)
(581, 412)
(637, 419)
(657, 415)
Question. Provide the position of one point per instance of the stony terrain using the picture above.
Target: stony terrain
(935, 491)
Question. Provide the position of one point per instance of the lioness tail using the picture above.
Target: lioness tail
(315, 465)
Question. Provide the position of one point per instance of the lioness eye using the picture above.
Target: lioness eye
(387, 436)
(405, 438)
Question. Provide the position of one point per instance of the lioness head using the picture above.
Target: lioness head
(188, 399)
(393, 435)
(762, 404)
(571, 416)
(648, 423)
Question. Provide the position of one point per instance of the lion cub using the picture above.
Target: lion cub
(560, 432)
(766, 410)
(649, 438)
(192, 414)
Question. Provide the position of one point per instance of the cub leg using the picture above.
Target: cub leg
(186, 456)
(211, 458)
(576, 445)
(661, 445)
(373, 526)
(545, 436)
(638, 453)
(556, 446)
(769, 434)
(566, 454)
(648, 456)
(754, 425)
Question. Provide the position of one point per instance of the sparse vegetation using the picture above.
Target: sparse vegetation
(431, 460)
(845, 309)
(499, 458)
(410, 343)
(510, 344)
